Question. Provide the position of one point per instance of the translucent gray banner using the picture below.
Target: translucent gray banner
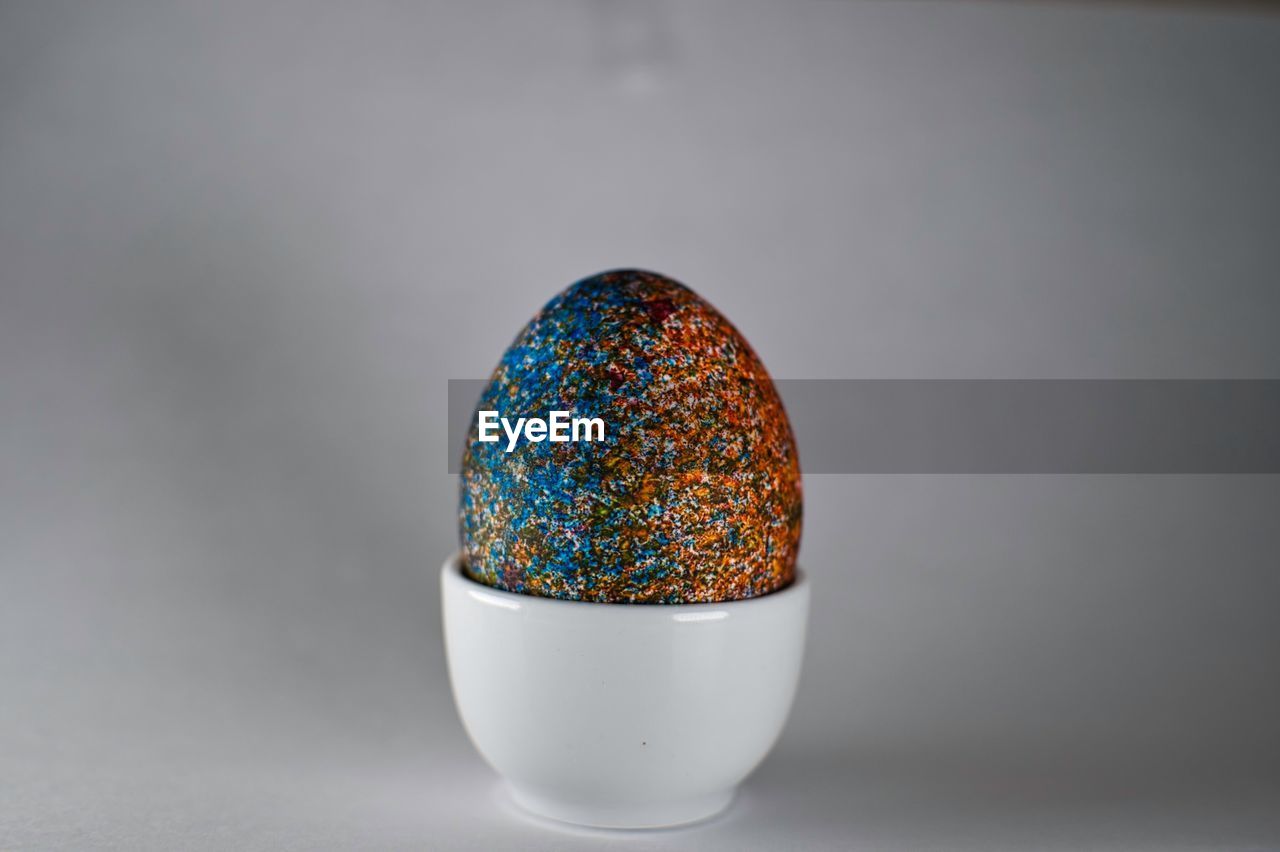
(1010, 426)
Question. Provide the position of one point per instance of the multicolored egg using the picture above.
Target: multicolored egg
(691, 491)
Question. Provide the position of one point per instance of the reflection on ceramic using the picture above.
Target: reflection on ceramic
(622, 716)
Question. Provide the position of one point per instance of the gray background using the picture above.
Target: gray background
(243, 246)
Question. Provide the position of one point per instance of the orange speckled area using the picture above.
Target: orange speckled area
(693, 496)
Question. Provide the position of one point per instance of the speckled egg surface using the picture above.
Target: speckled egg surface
(694, 493)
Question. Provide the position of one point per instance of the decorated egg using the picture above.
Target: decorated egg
(630, 448)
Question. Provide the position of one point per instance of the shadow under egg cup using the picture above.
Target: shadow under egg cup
(622, 715)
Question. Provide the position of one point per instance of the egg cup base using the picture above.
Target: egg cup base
(622, 715)
(621, 815)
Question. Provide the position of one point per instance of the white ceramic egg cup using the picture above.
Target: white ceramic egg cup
(622, 715)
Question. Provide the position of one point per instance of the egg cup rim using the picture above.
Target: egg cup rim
(454, 572)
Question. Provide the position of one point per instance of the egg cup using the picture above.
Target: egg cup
(622, 715)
